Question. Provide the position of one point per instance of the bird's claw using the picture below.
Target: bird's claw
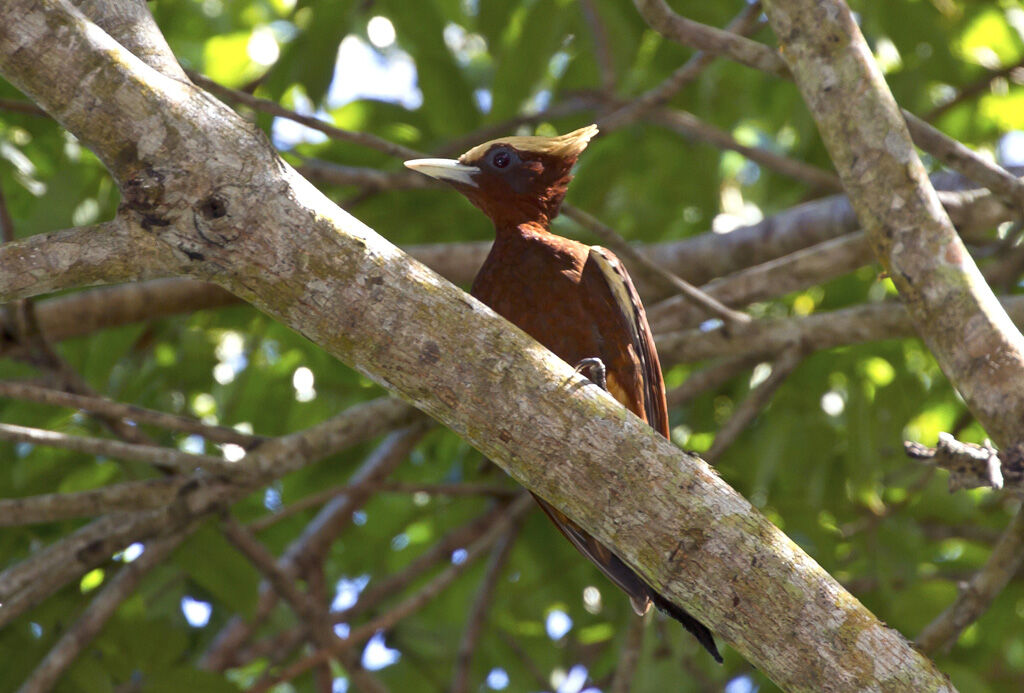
(596, 371)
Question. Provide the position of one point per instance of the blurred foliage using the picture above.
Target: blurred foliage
(824, 461)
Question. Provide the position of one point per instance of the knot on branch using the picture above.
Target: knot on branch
(973, 466)
(145, 193)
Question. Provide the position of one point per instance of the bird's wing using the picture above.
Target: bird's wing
(632, 310)
(610, 564)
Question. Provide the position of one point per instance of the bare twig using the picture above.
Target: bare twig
(602, 48)
(689, 125)
(27, 583)
(440, 551)
(19, 106)
(713, 376)
(50, 507)
(415, 602)
(629, 655)
(971, 90)
(972, 466)
(754, 403)
(762, 57)
(380, 591)
(308, 611)
(181, 462)
(441, 581)
(478, 612)
(976, 596)
(92, 310)
(77, 637)
(273, 108)
(743, 24)
(798, 270)
(764, 338)
(362, 176)
(711, 39)
(961, 158)
(130, 412)
(620, 246)
(317, 538)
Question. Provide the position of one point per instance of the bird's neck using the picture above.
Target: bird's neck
(521, 231)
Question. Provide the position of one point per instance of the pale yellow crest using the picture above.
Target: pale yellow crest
(564, 146)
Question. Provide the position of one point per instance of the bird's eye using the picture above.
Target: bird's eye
(501, 159)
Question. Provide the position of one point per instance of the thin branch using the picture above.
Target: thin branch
(976, 596)
(755, 401)
(602, 48)
(181, 462)
(440, 552)
(620, 246)
(745, 23)
(798, 270)
(689, 125)
(363, 176)
(129, 412)
(478, 612)
(761, 57)
(19, 106)
(415, 602)
(962, 158)
(714, 376)
(93, 310)
(319, 534)
(88, 625)
(629, 655)
(52, 507)
(112, 252)
(973, 466)
(971, 90)
(711, 39)
(363, 139)
(317, 499)
(304, 606)
(440, 582)
(374, 595)
(27, 583)
(765, 338)
(308, 607)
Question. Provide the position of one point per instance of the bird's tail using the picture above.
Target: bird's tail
(696, 628)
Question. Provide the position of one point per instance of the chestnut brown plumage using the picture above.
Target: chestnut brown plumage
(576, 300)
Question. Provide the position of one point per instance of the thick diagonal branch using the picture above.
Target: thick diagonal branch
(952, 307)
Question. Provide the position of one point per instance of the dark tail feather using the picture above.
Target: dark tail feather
(698, 629)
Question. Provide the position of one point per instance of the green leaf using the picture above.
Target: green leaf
(309, 57)
(447, 96)
(220, 569)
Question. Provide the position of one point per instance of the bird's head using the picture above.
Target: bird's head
(513, 179)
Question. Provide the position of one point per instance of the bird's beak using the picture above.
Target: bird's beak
(448, 170)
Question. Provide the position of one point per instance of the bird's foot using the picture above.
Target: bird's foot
(595, 370)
